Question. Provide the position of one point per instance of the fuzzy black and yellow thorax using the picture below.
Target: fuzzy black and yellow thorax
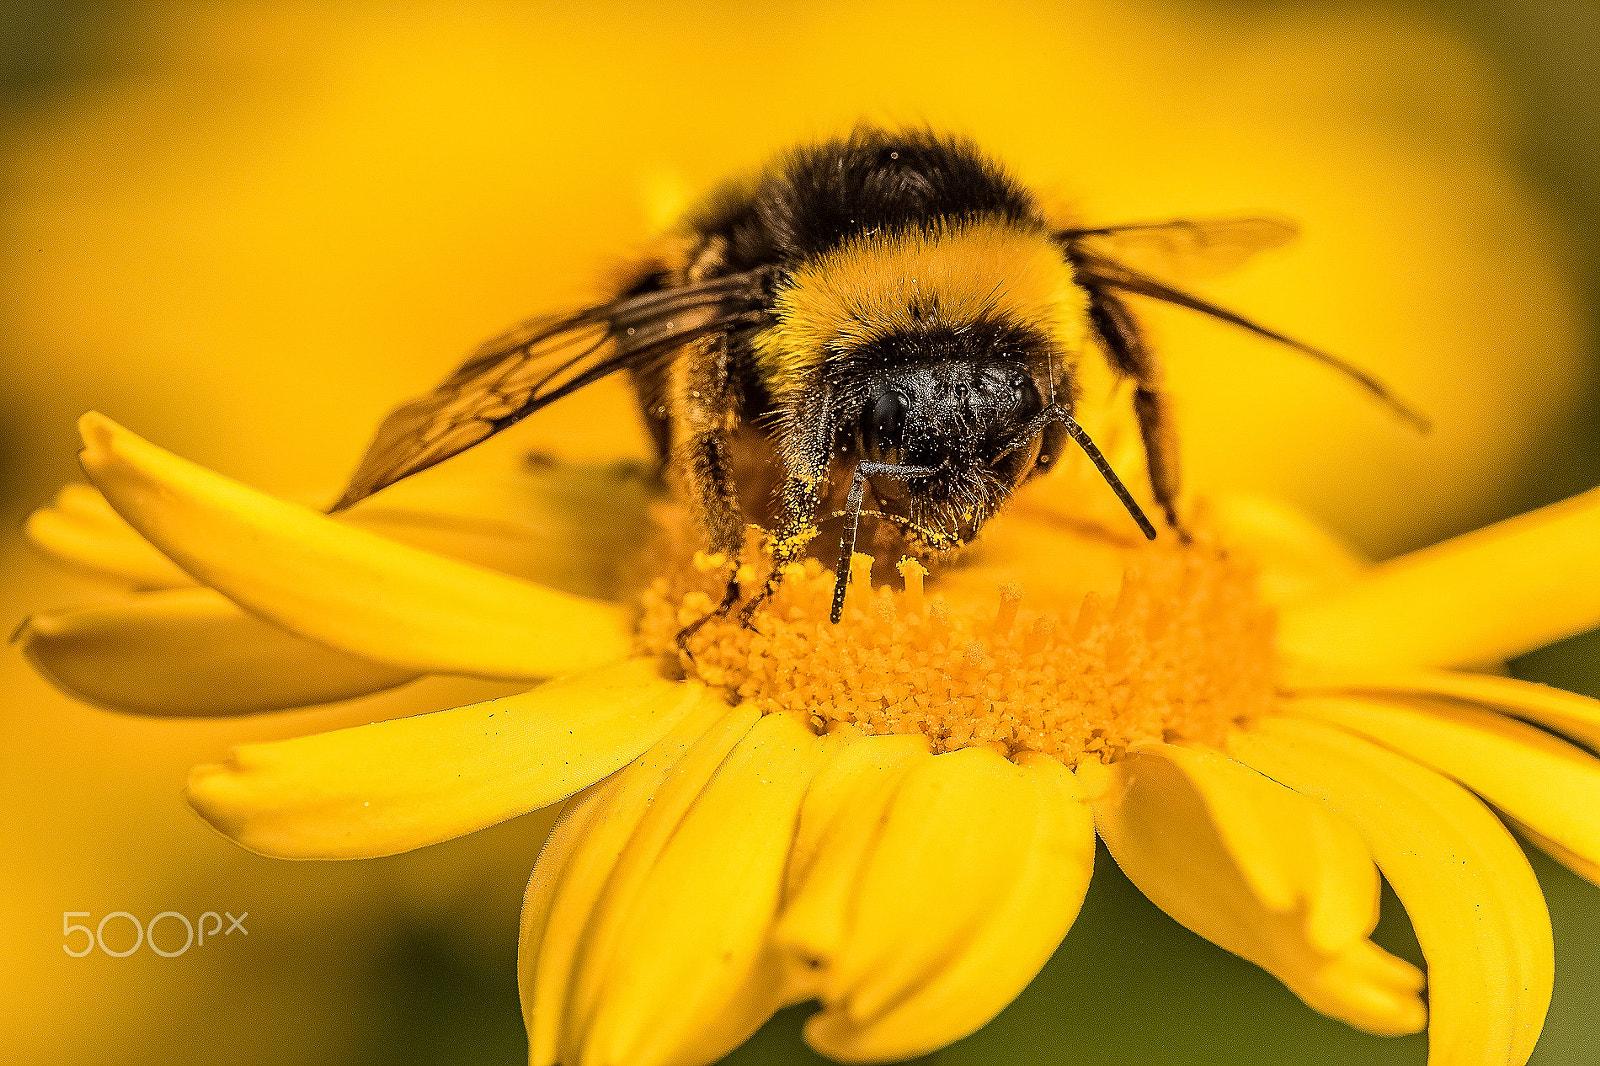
(908, 287)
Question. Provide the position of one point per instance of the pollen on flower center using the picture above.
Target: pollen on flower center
(1183, 649)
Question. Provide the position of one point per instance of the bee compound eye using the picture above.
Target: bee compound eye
(882, 425)
(1025, 399)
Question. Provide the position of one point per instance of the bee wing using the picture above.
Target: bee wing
(1185, 247)
(539, 362)
(1097, 272)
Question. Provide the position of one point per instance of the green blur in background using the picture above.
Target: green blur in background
(412, 959)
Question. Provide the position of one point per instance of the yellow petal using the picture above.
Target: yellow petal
(566, 884)
(840, 826)
(1297, 557)
(189, 651)
(1473, 901)
(343, 586)
(1261, 871)
(1544, 783)
(569, 526)
(837, 790)
(1589, 871)
(1480, 598)
(951, 846)
(1565, 712)
(392, 786)
(601, 911)
(695, 936)
(568, 834)
(578, 819)
(196, 653)
(565, 525)
(81, 530)
(1006, 946)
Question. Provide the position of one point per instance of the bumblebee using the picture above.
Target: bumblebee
(889, 312)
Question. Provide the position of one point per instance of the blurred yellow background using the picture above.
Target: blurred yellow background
(247, 230)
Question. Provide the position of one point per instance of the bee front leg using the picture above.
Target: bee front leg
(805, 446)
(799, 500)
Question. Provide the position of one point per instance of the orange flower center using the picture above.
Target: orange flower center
(1181, 650)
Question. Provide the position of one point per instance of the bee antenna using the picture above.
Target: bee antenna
(1077, 433)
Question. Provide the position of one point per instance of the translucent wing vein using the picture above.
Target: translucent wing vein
(542, 360)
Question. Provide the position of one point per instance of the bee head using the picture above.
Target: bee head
(959, 416)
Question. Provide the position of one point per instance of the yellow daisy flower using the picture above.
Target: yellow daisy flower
(267, 223)
(896, 817)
